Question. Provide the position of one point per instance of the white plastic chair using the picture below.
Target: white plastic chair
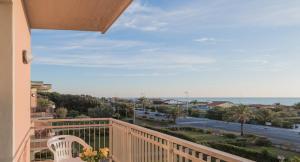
(61, 147)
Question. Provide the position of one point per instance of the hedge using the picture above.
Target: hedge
(263, 156)
(175, 134)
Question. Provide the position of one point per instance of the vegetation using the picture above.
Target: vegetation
(297, 106)
(43, 104)
(280, 116)
(216, 113)
(249, 146)
(100, 112)
(174, 113)
(61, 112)
(264, 115)
(240, 113)
(88, 106)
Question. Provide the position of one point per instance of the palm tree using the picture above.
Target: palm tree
(264, 115)
(240, 113)
(174, 113)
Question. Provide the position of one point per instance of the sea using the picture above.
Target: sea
(245, 100)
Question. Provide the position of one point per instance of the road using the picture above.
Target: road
(286, 137)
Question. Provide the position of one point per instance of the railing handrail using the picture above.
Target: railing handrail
(194, 146)
(203, 149)
(73, 119)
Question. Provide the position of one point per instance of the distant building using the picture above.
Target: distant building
(223, 104)
(40, 86)
(201, 106)
(33, 99)
(158, 101)
(173, 102)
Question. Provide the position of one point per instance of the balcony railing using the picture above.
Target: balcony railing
(41, 115)
(127, 142)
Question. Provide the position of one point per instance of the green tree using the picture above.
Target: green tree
(264, 115)
(61, 112)
(174, 113)
(145, 102)
(73, 113)
(100, 112)
(216, 113)
(42, 102)
(297, 106)
(241, 114)
(194, 102)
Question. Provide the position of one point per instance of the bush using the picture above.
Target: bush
(192, 129)
(262, 141)
(209, 132)
(295, 159)
(230, 135)
(61, 112)
(241, 142)
(175, 134)
(250, 136)
(282, 123)
(244, 152)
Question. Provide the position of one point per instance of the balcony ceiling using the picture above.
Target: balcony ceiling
(86, 15)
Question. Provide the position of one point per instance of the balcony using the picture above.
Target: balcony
(127, 142)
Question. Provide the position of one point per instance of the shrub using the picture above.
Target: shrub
(61, 112)
(209, 132)
(262, 141)
(242, 142)
(187, 129)
(295, 159)
(230, 135)
(250, 136)
(244, 152)
(175, 134)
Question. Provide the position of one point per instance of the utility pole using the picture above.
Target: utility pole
(134, 111)
(187, 102)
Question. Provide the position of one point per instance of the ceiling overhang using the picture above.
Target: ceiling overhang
(85, 15)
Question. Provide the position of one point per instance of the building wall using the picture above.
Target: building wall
(226, 105)
(14, 83)
(6, 81)
(33, 100)
(22, 84)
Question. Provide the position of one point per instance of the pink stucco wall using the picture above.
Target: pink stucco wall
(21, 112)
(6, 83)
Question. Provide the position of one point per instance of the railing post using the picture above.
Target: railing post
(170, 152)
(111, 139)
(129, 154)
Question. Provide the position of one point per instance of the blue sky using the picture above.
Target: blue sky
(162, 48)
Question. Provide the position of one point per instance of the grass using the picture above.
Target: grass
(203, 138)
(200, 137)
(152, 123)
(276, 151)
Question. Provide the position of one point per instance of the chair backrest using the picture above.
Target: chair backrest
(61, 146)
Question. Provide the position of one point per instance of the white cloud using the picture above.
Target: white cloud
(209, 40)
(97, 43)
(197, 14)
(203, 40)
(142, 17)
(135, 61)
(154, 74)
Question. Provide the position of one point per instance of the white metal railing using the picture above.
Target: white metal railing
(127, 142)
